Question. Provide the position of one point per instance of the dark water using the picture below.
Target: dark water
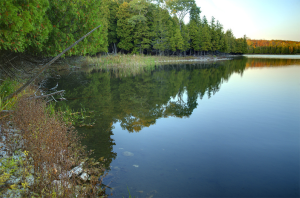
(229, 129)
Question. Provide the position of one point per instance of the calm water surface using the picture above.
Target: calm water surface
(229, 129)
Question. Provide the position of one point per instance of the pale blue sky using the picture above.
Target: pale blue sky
(258, 19)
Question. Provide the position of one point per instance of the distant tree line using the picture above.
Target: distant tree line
(273, 47)
(46, 27)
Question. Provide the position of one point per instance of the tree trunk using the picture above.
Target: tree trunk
(115, 49)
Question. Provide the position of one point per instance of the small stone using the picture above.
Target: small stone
(30, 180)
(84, 176)
(61, 184)
(77, 170)
(13, 180)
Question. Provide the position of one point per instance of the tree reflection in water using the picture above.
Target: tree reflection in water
(138, 101)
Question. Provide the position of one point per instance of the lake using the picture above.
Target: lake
(224, 129)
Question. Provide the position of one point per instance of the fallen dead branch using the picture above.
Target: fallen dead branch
(47, 65)
(44, 96)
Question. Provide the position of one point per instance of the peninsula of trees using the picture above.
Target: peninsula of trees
(46, 27)
(273, 47)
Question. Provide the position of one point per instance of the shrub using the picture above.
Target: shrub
(55, 151)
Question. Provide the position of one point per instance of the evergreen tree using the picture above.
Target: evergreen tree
(194, 35)
(139, 21)
(195, 28)
(195, 14)
(231, 41)
(245, 45)
(205, 36)
(185, 37)
(214, 35)
(160, 30)
(220, 36)
(171, 36)
(23, 24)
(124, 29)
(71, 21)
(112, 28)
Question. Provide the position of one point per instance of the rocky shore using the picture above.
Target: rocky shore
(17, 169)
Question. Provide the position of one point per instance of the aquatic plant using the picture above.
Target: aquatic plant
(81, 118)
(134, 64)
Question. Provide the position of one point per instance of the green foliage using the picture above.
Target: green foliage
(80, 118)
(48, 27)
(205, 37)
(195, 35)
(185, 37)
(23, 24)
(71, 20)
(7, 87)
(124, 28)
(160, 31)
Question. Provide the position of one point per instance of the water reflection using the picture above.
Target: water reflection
(138, 101)
(264, 62)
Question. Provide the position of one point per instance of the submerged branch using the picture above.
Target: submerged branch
(43, 96)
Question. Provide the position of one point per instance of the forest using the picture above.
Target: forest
(156, 27)
(273, 47)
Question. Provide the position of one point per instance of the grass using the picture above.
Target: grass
(133, 64)
(7, 87)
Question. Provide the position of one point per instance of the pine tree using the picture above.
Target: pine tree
(220, 36)
(139, 8)
(71, 21)
(124, 29)
(214, 35)
(23, 24)
(160, 30)
(195, 28)
(245, 45)
(186, 38)
(231, 40)
(194, 35)
(171, 36)
(205, 36)
(112, 28)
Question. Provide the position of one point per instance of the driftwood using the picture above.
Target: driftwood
(47, 65)
(43, 96)
(6, 111)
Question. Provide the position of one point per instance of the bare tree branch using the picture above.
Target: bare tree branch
(43, 96)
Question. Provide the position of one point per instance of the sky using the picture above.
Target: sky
(257, 19)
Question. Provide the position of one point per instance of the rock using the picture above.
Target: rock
(128, 154)
(84, 176)
(13, 180)
(30, 180)
(61, 184)
(15, 193)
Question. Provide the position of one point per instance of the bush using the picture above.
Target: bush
(61, 166)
